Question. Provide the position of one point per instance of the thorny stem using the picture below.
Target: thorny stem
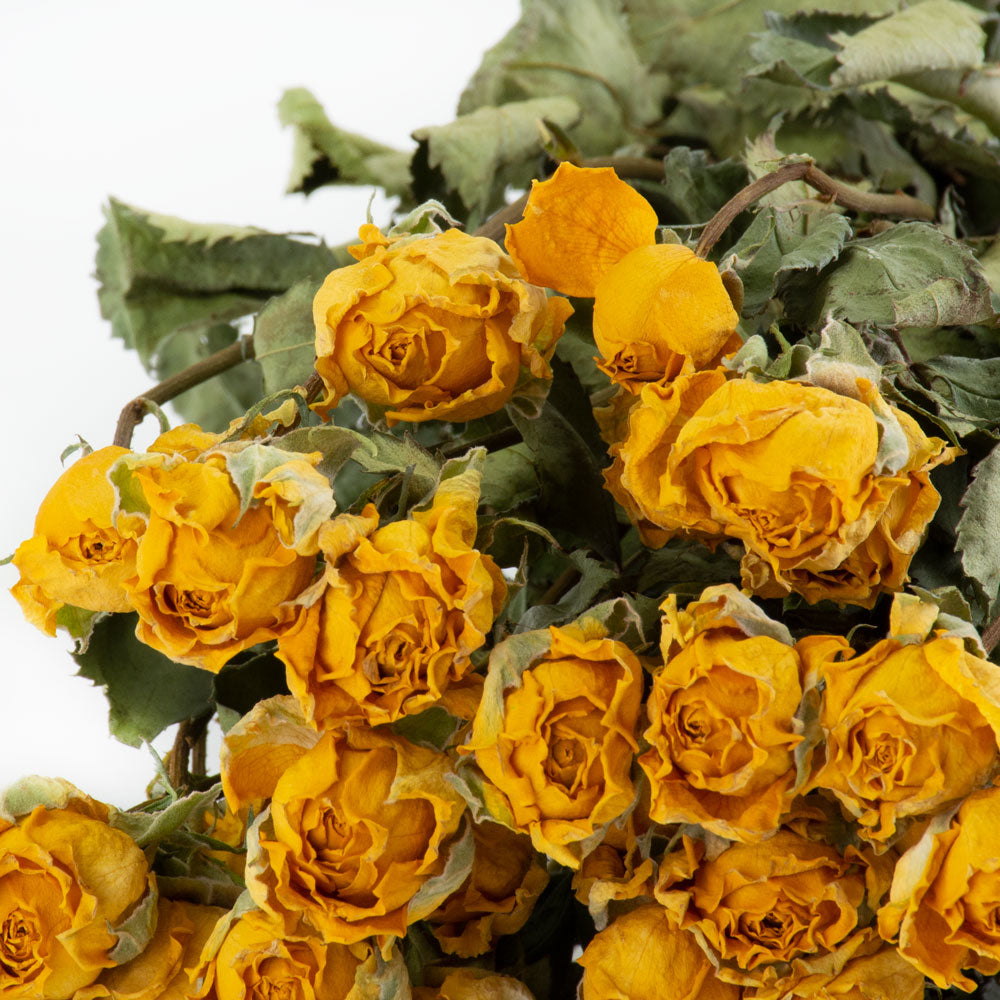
(133, 411)
(842, 194)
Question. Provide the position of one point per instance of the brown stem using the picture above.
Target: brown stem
(634, 167)
(313, 387)
(189, 745)
(133, 411)
(842, 194)
(562, 583)
(991, 635)
(491, 442)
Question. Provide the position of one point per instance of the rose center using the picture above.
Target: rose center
(196, 606)
(96, 546)
(19, 938)
(694, 723)
(276, 989)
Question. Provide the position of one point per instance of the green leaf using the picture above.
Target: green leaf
(909, 275)
(934, 34)
(686, 569)
(768, 252)
(224, 397)
(482, 153)
(34, 790)
(146, 691)
(696, 187)
(593, 577)
(434, 727)
(170, 289)
(284, 337)
(633, 619)
(581, 49)
(78, 622)
(325, 154)
(135, 931)
(147, 828)
(967, 387)
(246, 680)
(509, 478)
(979, 528)
(565, 443)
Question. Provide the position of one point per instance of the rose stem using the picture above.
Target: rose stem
(133, 411)
(842, 194)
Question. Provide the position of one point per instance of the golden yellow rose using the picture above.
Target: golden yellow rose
(77, 555)
(619, 867)
(431, 328)
(876, 971)
(403, 607)
(765, 910)
(362, 837)
(216, 573)
(907, 727)
(789, 469)
(945, 894)
(560, 744)
(67, 879)
(250, 957)
(160, 970)
(659, 309)
(496, 899)
(721, 729)
(644, 955)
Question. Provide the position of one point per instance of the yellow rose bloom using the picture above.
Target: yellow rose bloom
(644, 955)
(403, 607)
(659, 309)
(431, 328)
(721, 733)
(66, 880)
(496, 899)
(160, 970)
(78, 555)
(766, 909)
(560, 746)
(474, 984)
(251, 956)
(211, 581)
(358, 829)
(943, 901)
(908, 727)
(789, 469)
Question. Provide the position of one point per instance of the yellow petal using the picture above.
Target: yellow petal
(662, 301)
(577, 225)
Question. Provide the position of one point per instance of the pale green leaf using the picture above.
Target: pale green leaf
(146, 691)
(24, 795)
(593, 577)
(768, 252)
(284, 337)
(326, 154)
(979, 528)
(147, 828)
(934, 34)
(509, 478)
(134, 932)
(581, 49)
(482, 153)
(909, 275)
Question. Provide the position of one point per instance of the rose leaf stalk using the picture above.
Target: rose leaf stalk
(806, 170)
(134, 411)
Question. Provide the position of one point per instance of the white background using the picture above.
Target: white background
(170, 107)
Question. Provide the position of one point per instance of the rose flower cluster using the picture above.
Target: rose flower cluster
(746, 814)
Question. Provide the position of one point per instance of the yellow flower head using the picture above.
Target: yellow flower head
(658, 308)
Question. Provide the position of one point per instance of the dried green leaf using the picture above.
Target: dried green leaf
(146, 691)
(326, 154)
(979, 528)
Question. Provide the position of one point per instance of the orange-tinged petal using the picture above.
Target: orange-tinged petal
(577, 225)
